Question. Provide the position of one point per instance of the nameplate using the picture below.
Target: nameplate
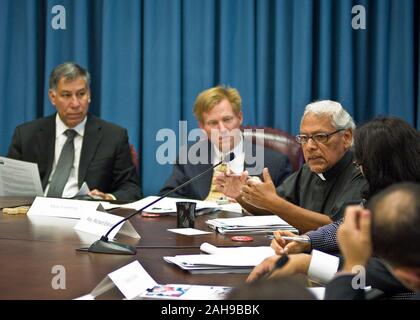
(98, 223)
(131, 280)
(64, 208)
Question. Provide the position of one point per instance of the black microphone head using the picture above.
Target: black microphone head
(229, 157)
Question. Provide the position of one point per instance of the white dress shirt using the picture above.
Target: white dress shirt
(71, 187)
(237, 164)
(323, 267)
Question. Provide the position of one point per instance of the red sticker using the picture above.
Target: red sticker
(242, 238)
(150, 215)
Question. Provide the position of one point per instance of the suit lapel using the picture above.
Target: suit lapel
(46, 146)
(91, 140)
(204, 183)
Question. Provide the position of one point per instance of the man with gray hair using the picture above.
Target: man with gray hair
(72, 146)
(316, 194)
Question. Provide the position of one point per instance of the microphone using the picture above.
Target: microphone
(103, 245)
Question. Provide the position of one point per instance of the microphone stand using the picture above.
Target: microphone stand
(103, 245)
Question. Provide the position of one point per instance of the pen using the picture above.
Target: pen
(279, 263)
(297, 238)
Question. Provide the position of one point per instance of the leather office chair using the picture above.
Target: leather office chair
(277, 140)
(134, 157)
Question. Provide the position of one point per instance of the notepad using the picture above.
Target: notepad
(250, 224)
(222, 260)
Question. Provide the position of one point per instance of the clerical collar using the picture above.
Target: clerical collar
(321, 176)
(337, 168)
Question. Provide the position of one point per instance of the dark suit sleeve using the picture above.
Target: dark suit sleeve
(340, 288)
(126, 185)
(177, 178)
(379, 277)
(15, 148)
(279, 167)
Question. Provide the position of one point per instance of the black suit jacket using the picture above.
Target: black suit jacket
(277, 163)
(105, 160)
(377, 276)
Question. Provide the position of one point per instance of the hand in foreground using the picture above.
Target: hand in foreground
(297, 264)
(231, 184)
(259, 193)
(354, 237)
(282, 246)
(263, 269)
(97, 193)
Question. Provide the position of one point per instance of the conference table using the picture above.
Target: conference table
(31, 248)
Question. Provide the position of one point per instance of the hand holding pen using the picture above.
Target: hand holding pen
(294, 238)
(286, 242)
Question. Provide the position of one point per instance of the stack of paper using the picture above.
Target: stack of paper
(250, 224)
(167, 206)
(222, 260)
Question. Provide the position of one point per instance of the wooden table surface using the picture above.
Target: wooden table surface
(30, 247)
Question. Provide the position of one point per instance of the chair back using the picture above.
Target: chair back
(134, 157)
(279, 141)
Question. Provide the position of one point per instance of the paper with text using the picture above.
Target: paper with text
(131, 280)
(19, 178)
(99, 223)
(64, 208)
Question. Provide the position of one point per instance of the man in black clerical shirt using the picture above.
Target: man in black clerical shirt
(316, 194)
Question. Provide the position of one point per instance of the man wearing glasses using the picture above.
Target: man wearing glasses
(316, 194)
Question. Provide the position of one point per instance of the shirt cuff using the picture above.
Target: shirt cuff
(112, 196)
(323, 267)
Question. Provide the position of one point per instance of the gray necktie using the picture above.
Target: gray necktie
(63, 168)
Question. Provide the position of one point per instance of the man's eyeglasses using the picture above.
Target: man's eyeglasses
(319, 137)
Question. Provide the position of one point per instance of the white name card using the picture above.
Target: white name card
(131, 280)
(64, 208)
(98, 223)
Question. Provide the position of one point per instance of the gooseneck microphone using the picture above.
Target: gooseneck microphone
(103, 245)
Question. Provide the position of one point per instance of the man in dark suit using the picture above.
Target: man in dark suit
(97, 153)
(390, 231)
(219, 115)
